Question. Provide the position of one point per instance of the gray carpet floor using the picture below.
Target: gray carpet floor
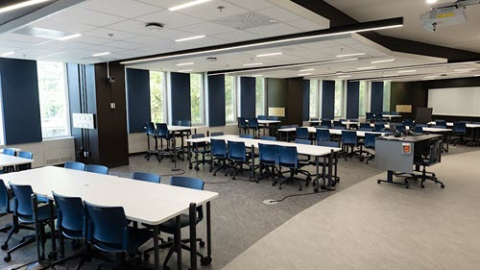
(239, 216)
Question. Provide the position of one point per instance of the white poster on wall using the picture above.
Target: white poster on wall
(463, 101)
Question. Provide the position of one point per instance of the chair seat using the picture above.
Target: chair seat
(137, 237)
(170, 225)
(43, 214)
(72, 234)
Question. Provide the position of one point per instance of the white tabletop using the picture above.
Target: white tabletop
(303, 149)
(332, 131)
(266, 122)
(179, 128)
(144, 202)
(450, 124)
(391, 115)
(6, 160)
(436, 130)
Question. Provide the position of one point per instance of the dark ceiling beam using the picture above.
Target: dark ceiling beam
(338, 18)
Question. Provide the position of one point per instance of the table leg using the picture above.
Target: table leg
(209, 235)
(193, 236)
(178, 243)
(253, 162)
(317, 169)
(52, 226)
(156, 250)
(189, 155)
(174, 152)
(390, 180)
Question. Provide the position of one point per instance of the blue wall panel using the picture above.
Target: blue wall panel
(247, 97)
(306, 100)
(216, 100)
(376, 99)
(181, 103)
(328, 100)
(353, 91)
(138, 102)
(21, 105)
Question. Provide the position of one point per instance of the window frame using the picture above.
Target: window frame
(366, 99)
(203, 86)
(342, 101)
(264, 105)
(234, 102)
(164, 87)
(316, 99)
(384, 108)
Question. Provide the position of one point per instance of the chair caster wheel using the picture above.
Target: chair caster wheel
(442, 186)
(4, 247)
(214, 174)
(202, 244)
(279, 187)
(76, 244)
(206, 260)
(197, 169)
(422, 186)
(315, 190)
(407, 187)
(166, 268)
(378, 181)
(190, 167)
(7, 258)
(52, 256)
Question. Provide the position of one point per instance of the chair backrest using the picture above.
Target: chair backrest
(147, 177)
(23, 199)
(370, 116)
(189, 182)
(214, 134)
(274, 118)
(186, 123)
(322, 135)
(162, 131)
(253, 123)
(370, 140)
(246, 136)
(459, 127)
(302, 133)
(94, 168)
(241, 123)
(408, 122)
(349, 137)
(74, 165)
(394, 113)
(400, 128)
(106, 225)
(339, 127)
(326, 123)
(176, 122)
(27, 155)
(294, 126)
(219, 148)
(441, 123)
(302, 141)
(379, 127)
(328, 143)
(267, 152)
(365, 125)
(313, 119)
(9, 152)
(268, 138)
(4, 200)
(337, 123)
(378, 117)
(287, 156)
(196, 145)
(237, 151)
(262, 117)
(198, 135)
(435, 152)
(70, 212)
(365, 129)
(150, 129)
(419, 128)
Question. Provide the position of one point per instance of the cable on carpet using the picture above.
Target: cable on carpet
(181, 172)
(270, 201)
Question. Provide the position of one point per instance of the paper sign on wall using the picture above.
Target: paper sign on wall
(276, 111)
(83, 120)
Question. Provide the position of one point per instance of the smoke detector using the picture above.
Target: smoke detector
(154, 26)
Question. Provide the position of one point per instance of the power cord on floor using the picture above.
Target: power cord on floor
(270, 201)
(181, 172)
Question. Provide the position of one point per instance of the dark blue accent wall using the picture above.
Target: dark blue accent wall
(247, 97)
(376, 98)
(138, 102)
(216, 100)
(328, 99)
(353, 92)
(181, 103)
(21, 105)
(306, 100)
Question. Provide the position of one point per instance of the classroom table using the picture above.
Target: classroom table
(446, 132)
(390, 116)
(266, 123)
(302, 149)
(13, 161)
(332, 131)
(179, 131)
(475, 131)
(143, 202)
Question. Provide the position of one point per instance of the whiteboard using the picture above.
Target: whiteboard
(463, 101)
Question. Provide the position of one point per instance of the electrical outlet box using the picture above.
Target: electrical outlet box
(112, 106)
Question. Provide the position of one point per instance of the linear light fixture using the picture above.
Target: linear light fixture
(185, 70)
(257, 75)
(185, 64)
(190, 38)
(349, 55)
(21, 5)
(100, 54)
(366, 68)
(70, 37)
(269, 54)
(304, 74)
(465, 69)
(431, 77)
(252, 64)
(383, 61)
(189, 4)
(7, 54)
(306, 70)
(477, 75)
(330, 32)
(344, 76)
(407, 71)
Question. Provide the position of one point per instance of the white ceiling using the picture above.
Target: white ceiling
(118, 27)
(462, 36)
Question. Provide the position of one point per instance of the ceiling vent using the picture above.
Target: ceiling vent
(154, 26)
(246, 21)
(212, 59)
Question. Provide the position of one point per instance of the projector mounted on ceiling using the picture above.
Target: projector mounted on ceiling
(446, 14)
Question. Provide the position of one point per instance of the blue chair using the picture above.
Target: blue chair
(432, 158)
(262, 117)
(96, 169)
(24, 215)
(199, 148)
(151, 134)
(79, 166)
(379, 126)
(268, 160)
(216, 134)
(378, 117)
(164, 135)
(322, 135)
(349, 141)
(304, 160)
(242, 125)
(5, 205)
(288, 158)
(147, 177)
(399, 128)
(9, 152)
(337, 123)
(254, 126)
(268, 138)
(408, 122)
(339, 127)
(365, 126)
(314, 122)
(370, 117)
(419, 128)
(186, 123)
(170, 225)
(460, 130)
(246, 136)
(70, 225)
(27, 155)
(238, 156)
(108, 231)
(176, 122)
(440, 123)
(219, 154)
(326, 123)
(370, 144)
(274, 118)
(302, 133)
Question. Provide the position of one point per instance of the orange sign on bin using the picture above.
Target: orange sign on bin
(406, 148)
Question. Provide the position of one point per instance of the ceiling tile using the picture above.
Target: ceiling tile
(170, 19)
(207, 28)
(279, 14)
(278, 29)
(85, 16)
(251, 4)
(208, 11)
(124, 8)
(305, 25)
(109, 34)
(62, 25)
(237, 35)
(124, 45)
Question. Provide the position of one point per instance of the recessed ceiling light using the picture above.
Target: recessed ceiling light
(257, 75)
(349, 55)
(344, 76)
(189, 4)
(269, 54)
(186, 70)
(383, 61)
(366, 68)
(21, 5)
(7, 54)
(304, 74)
(477, 75)
(70, 37)
(431, 77)
(431, 1)
(100, 54)
(185, 64)
(407, 71)
(252, 64)
(389, 75)
(465, 69)
(190, 38)
(305, 70)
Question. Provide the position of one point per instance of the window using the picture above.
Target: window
(196, 98)
(386, 96)
(230, 110)
(313, 98)
(157, 96)
(53, 99)
(339, 95)
(362, 98)
(259, 96)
